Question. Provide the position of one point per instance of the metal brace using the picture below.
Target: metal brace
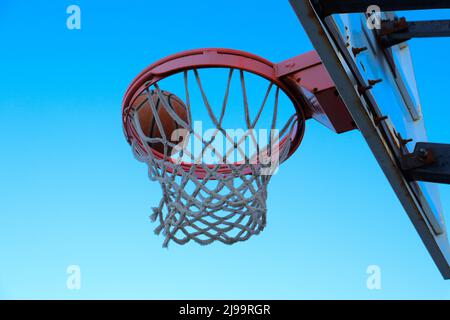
(328, 7)
(428, 162)
(396, 31)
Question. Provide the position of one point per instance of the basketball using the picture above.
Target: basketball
(148, 122)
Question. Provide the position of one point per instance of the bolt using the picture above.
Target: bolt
(362, 89)
(406, 141)
(423, 153)
(378, 120)
(357, 51)
(290, 64)
(374, 82)
(402, 141)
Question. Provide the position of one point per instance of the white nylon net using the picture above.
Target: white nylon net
(207, 202)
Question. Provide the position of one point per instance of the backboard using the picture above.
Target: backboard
(378, 87)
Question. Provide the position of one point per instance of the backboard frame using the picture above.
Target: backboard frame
(378, 134)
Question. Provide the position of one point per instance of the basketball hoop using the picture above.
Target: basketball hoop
(219, 199)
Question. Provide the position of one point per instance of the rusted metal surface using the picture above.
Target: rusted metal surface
(429, 162)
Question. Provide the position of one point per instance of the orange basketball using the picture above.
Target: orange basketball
(147, 120)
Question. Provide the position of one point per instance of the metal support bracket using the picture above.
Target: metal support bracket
(428, 162)
(328, 7)
(396, 31)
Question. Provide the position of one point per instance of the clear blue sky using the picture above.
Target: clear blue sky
(72, 193)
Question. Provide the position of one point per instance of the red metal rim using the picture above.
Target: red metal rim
(210, 58)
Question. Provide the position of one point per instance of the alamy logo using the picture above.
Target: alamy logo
(73, 21)
(74, 277)
(373, 17)
(374, 279)
(228, 146)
